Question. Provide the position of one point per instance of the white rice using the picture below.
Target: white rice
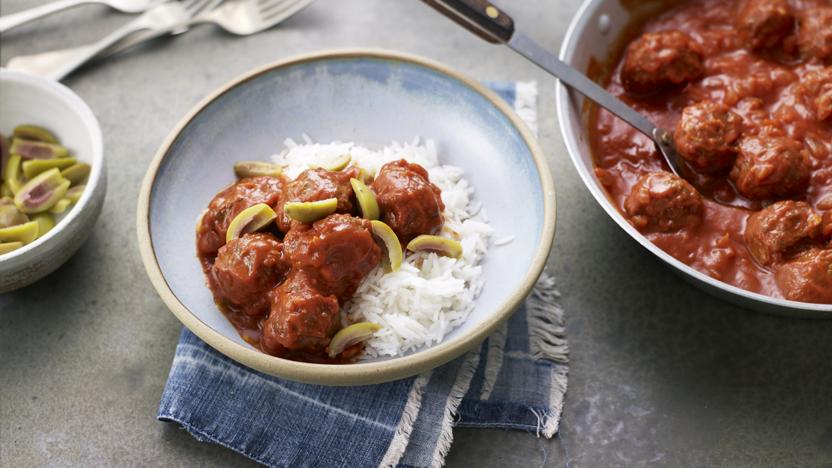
(430, 295)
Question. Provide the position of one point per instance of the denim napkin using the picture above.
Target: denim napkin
(515, 380)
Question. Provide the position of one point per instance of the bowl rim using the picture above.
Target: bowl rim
(359, 373)
(565, 107)
(90, 123)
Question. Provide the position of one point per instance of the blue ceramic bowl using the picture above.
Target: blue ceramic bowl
(372, 98)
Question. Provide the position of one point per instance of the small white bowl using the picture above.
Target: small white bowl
(28, 99)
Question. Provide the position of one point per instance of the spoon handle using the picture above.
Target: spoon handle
(581, 83)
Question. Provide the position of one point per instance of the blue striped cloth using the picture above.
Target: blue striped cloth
(515, 380)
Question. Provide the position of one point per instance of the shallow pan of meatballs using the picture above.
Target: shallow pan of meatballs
(746, 86)
(265, 265)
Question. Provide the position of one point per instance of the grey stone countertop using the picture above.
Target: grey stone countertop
(661, 373)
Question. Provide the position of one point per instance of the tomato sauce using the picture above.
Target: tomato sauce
(764, 88)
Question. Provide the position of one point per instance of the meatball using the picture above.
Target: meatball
(814, 34)
(770, 166)
(301, 318)
(808, 277)
(780, 229)
(706, 136)
(246, 269)
(229, 203)
(658, 61)
(410, 204)
(663, 202)
(764, 24)
(816, 92)
(337, 252)
(314, 185)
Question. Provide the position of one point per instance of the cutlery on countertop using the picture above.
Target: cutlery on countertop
(125, 6)
(495, 26)
(240, 17)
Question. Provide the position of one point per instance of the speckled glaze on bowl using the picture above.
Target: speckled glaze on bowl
(591, 35)
(35, 100)
(371, 97)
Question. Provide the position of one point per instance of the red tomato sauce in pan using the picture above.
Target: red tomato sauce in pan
(769, 63)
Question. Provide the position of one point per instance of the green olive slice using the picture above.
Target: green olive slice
(440, 245)
(28, 149)
(25, 233)
(5, 191)
(351, 335)
(256, 168)
(366, 199)
(11, 173)
(307, 212)
(74, 193)
(60, 206)
(42, 192)
(336, 164)
(77, 173)
(45, 220)
(34, 133)
(393, 260)
(10, 216)
(35, 166)
(6, 247)
(250, 219)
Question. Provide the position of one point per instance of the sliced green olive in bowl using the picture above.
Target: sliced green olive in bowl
(6, 247)
(11, 216)
(76, 174)
(245, 169)
(251, 219)
(35, 166)
(440, 245)
(393, 260)
(34, 133)
(11, 173)
(366, 199)
(308, 212)
(350, 336)
(28, 149)
(42, 192)
(45, 220)
(24, 233)
(74, 193)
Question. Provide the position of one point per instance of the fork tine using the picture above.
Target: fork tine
(271, 8)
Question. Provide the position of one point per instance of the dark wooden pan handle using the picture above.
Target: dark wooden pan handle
(478, 16)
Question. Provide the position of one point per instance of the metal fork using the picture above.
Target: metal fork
(167, 18)
(241, 17)
(125, 6)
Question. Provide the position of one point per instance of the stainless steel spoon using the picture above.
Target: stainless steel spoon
(495, 26)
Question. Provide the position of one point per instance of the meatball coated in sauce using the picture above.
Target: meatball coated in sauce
(807, 277)
(706, 136)
(314, 185)
(301, 317)
(336, 252)
(764, 24)
(658, 61)
(816, 92)
(663, 202)
(246, 269)
(410, 204)
(814, 34)
(780, 229)
(770, 166)
(229, 203)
